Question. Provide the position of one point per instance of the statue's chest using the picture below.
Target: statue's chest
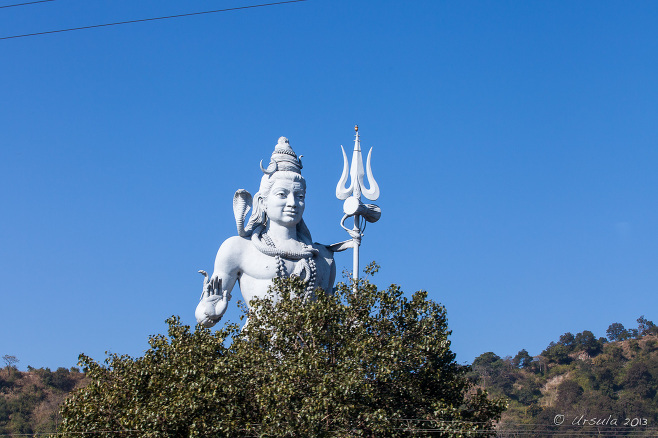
(264, 267)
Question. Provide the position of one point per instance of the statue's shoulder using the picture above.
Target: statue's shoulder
(233, 250)
(235, 243)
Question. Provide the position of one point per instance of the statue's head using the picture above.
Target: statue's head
(282, 177)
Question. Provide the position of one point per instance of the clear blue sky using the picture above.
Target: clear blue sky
(515, 144)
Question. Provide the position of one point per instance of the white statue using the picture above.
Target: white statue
(274, 243)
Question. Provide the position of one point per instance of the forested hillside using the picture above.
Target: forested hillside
(580, 384)
(30, 400)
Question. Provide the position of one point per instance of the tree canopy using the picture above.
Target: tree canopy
(617, 332)
(10, 362)
(370, 363)
(522, 359)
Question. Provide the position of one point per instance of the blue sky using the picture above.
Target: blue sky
(515, 145)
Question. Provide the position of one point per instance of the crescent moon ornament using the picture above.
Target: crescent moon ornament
(270, 169)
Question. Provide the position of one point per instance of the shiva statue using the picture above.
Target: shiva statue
(274, 243)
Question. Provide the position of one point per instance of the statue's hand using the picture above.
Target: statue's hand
(213, 301)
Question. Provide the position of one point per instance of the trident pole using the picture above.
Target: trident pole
(357, 243)
(352, 205)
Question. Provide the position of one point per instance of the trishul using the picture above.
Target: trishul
(356, 187)
(353, 207)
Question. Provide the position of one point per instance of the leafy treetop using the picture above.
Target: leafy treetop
(370, 363)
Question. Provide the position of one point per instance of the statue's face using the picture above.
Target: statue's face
(285, 202)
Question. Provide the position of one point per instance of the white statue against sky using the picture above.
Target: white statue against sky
(274, 243)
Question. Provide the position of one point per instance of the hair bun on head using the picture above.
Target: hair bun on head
(283, 158)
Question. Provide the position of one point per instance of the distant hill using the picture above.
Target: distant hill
(579, 385)
(30, 400)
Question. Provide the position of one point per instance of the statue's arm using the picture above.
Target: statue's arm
(341, 246)
(217, 289)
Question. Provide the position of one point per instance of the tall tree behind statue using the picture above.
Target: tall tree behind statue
(371, 363)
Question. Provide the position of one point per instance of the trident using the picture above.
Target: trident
(353, 207)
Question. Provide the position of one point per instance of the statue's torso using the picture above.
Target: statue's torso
(257, 269)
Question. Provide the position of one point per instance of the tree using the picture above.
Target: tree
(522, 359)
(646, 327)
(498, 375)
(617, 332)
(568, 393)
(528, 391)
(568, 340)
(588, 342)
(10, 362)
(484, 367)
(640, 379)
(557, 353)
(486, 359)
(370, 363)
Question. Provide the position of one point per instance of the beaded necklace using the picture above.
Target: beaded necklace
(306, 268)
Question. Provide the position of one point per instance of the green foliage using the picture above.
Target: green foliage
(61, 379)
(562, 351)
(488, 359)
(495, 372)
(639, 379)
(646, 327)
(528, 392)
(568, 341)
(568, 393)
(587, 342)
(371, 363)
(617, 332)
(557, 353)
(522, 359)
